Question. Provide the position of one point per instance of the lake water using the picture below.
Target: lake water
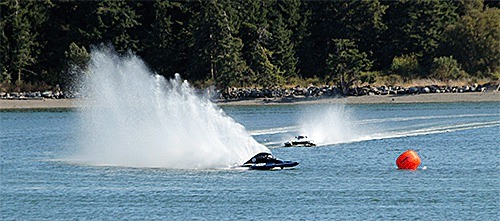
(350, 175)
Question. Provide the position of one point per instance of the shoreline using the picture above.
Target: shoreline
(38, 104)
(374, 99)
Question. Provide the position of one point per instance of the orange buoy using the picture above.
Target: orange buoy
(409, 160)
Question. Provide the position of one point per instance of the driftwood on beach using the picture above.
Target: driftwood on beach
(296, 95)
(333, 91)
(297, 92)
(38, 95)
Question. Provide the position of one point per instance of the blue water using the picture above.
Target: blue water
(348, 179)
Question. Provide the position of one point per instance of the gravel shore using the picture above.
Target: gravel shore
(376, 99)
(379, 99)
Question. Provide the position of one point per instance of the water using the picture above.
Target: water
(351, 180)
(147, 148)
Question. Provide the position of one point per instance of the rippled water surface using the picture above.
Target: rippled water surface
(350, 175)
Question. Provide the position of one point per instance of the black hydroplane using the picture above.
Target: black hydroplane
(266, 161)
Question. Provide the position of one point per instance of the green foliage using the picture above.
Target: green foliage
(255, 42)
(369, 77)
(77, 56)
(406, 66)
(360, 21)
(474, 41)
(390, 80)
(281, 45)
(5, 77)
(78, 60)
(229, 64)
(294, 81)
(446, 68)
(346, 62)
(267, 74)
(257, 35)
(286, 33)
(496, 76)
(166, 40)
(216, 45)
(20, 35)
(116, 23)
(416, 27)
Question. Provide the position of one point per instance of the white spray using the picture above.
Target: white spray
(135, 118)
(331, 124)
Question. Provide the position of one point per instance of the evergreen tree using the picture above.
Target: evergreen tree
(268, 75)
(243, 43)
(268, 49)
(116, 21)
(217, 50)
(20, 37)
(416, 27)
(360, 21)
(165, 44)
(255, 35)
(282, 48)
(300, 32)
(77, 59)
(346, 62)
(66, 26)
(284, 18)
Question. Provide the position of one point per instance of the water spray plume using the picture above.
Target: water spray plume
(330, 124)
(135, 118)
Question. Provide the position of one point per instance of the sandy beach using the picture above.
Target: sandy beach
(420, 98)
(38, 104)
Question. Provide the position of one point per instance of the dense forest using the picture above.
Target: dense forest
(258, 43)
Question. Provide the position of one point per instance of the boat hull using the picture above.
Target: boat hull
(300, 143)
(270, 166)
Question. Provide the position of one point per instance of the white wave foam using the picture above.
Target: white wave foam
(398, 119)
(277, 130)
(422, 131)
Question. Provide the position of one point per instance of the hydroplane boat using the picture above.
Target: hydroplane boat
(266, 161)
(300, 140)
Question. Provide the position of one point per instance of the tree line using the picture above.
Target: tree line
(260, 43)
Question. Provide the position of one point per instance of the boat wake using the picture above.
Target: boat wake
(399, 119)
(278, 130)
(432, 130)
(338, 125)
(134, 118)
